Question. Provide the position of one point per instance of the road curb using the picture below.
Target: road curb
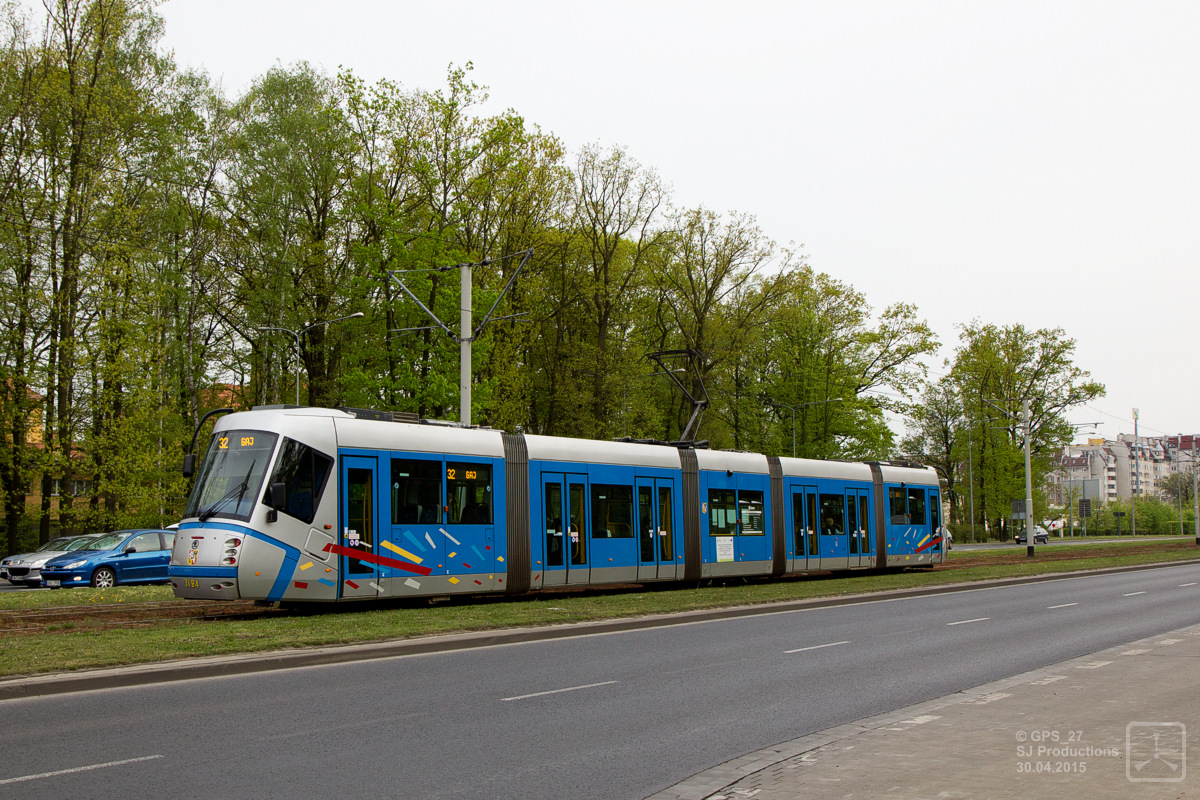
(248, 663)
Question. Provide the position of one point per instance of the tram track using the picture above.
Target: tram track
(73, 618)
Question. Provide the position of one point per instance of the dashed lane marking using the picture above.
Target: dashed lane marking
(556, 691)
(57, 772)
(815, 647)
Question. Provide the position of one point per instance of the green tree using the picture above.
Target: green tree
(994, 369)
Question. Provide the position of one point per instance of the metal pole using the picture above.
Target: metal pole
(971, 480)
(464, 347)
(1028, 481)
(1137, 479)
(1179, 494)
(1195, 493)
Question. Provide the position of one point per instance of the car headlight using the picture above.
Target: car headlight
(74, 565)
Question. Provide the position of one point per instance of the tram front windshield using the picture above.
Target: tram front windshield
(230, 480)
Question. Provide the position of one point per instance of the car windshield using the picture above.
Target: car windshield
(106, 542)
(82, 543)
(229, 482)
(54, 544)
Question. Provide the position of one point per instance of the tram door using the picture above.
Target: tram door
(657, 559)
(858, 517)
(804, 529)
(568, 545)
(359, 526)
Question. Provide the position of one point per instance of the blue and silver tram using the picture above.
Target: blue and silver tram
(313, 504)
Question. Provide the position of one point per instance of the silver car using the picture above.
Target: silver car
(25, 569)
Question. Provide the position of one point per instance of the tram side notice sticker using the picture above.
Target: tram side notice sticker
(724, 548)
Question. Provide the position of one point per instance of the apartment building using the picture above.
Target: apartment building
(1109, 469)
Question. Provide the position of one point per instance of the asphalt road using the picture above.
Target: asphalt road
(611, 716)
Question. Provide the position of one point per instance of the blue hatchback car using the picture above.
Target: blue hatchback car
(134, 556)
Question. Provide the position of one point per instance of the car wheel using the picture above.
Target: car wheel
(104, 578)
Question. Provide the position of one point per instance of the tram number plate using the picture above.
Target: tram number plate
(191, 583)
(53, 584)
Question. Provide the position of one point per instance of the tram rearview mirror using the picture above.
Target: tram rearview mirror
(189, 465)
(276, 499)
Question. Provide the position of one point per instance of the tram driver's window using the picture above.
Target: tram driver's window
(416, 491)
(303, 472)
(469, 493)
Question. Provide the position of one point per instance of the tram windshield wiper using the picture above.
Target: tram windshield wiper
(236, 491)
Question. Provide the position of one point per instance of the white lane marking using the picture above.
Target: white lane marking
(965, 621)
(556, 691)
(77, 769)
(1133, 594)
(1064, 605)
(814, 647)
(1186, 584)
(1094, 665)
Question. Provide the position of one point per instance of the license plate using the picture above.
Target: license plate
(54, 584)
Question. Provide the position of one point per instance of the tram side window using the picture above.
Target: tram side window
(469, 493)
(934, 511)
(612, 511)
(416, 491)
(303, 471)
(750, 507)
(722, 512)
(916, 507)
(833, 514)
(798, 522)
(897, 506)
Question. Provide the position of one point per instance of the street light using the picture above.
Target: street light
(296, 334)
(793, 410)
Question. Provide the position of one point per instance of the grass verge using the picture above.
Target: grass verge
(78, 644)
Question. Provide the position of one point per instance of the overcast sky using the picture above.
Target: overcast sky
(1031, 162)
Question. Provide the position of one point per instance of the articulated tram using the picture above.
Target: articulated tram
(314, 504)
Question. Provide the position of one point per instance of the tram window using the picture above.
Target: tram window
(665, 529)
(934, 513)
(612, 511)
(469, 493)
(812, 522)
(897, 507)
(722, 512)
(916, 507)
(416, 491)
(575, 527)
(833, 514)
(750, 513)
(303, 471)
(798, 523)
(360, 517)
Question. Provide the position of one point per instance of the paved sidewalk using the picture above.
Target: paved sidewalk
(1112, 724)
